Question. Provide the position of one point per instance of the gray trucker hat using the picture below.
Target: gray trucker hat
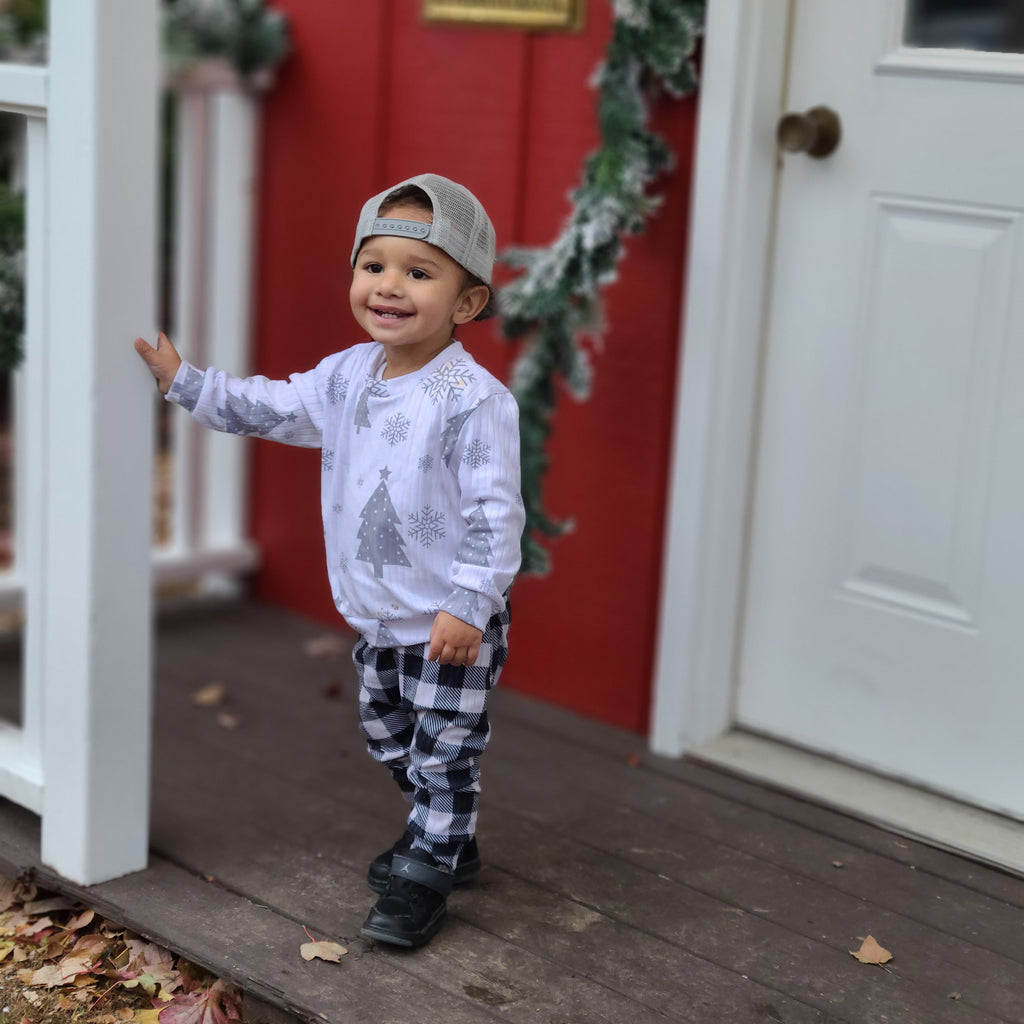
(461, 227)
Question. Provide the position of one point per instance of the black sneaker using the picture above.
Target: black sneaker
(413, 907)
(466, 870)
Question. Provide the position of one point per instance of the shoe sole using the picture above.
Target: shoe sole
(421, 938)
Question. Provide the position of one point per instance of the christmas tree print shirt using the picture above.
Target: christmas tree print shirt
(419, 479)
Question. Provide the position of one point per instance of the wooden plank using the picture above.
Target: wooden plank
(808, 854)
(326, 840)
(943, 905)
(599, 737)
(242, 941)
(716, 931)
(298, 824)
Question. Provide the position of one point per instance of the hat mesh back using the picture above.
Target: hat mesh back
(469, 237)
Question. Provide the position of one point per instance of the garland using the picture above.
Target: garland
(555, 303)
(251, 36)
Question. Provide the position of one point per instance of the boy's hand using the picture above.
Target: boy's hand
(163, 361)
(453, 642)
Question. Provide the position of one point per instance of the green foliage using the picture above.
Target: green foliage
(250, 35)
(22, 30)
(12, 276)
(555, 303)
(27, 18)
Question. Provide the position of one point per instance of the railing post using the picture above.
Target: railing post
(104, 70)
(217, 124)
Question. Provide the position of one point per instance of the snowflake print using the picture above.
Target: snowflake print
(337, 509)
(337, 388)
(343, 565)
(449, 381)
(327, 459)
(396, 429)
(427, 525)
(426, 463)
(476, 454)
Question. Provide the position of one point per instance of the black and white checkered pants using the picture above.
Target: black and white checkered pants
(428, 723)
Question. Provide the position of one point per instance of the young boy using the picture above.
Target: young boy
(422, 517)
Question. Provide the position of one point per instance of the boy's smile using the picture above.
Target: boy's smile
(408, 295)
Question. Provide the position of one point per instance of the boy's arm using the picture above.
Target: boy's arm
(290, 411)
(486, 460)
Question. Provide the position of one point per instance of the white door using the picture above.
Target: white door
(884, 613)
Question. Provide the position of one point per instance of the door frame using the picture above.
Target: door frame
(714, 442)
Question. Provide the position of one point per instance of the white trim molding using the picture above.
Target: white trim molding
(726, 288)
(91, 590)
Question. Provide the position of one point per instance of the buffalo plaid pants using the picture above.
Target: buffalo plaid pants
(428, 723)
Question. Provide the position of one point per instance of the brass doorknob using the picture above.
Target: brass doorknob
(816, 133)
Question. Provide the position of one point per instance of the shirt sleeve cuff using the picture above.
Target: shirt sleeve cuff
(470, 606)
(187, 387)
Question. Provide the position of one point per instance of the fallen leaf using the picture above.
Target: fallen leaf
(954, 995)
(210, 696)
(871, 952)
(333, 690)
(8, 896)
(329, 951)
(838, 864)
(227, 721)
(83, 920)
(633, 760)
(217, 1004)
(35, 927)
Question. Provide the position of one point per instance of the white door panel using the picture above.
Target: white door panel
(884, 620)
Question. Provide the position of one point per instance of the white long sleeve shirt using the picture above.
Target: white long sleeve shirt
(419, 479)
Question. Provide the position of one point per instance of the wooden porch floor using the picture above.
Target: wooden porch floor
(617, 887)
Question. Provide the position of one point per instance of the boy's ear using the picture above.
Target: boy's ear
(471, 302)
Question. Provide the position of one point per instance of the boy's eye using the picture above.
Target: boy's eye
(373, 268)
(418, 275)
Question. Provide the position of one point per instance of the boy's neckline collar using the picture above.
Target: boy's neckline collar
(451, 351)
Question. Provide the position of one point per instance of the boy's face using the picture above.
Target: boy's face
(408, 294)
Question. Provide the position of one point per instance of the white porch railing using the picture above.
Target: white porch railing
(203, 539)
(83, 562)
(215, 184)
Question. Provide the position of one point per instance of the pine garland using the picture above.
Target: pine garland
(555, 304)
(248, 33)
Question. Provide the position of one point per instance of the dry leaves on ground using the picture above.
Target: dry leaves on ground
(871, 952)
(61, 963)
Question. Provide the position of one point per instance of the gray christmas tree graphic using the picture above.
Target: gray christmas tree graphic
(373, 389)
(451, 434)
(243, 416)
(381, 543)
(475, 548)
(190, 388)
(385, 638)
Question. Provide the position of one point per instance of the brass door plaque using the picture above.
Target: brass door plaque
(536, 14)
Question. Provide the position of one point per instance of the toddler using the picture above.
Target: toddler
(422, 517)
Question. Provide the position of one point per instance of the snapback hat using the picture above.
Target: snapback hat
(461, 227)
